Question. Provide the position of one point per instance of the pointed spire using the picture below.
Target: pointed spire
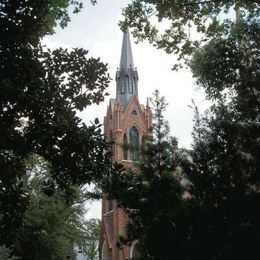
(126, 75)
(126, 60)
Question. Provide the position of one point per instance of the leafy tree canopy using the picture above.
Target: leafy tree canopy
(27, 21)
(218, 220)
(228, 68)
(222, 171)
(179, 18)
(40, 92)
(93, 227)
(51, 225)
(152, 194)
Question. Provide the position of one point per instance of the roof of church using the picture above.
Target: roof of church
(126, 52)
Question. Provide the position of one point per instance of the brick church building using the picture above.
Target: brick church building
(126, 123)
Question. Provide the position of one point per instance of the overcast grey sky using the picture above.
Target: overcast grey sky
(96, 29)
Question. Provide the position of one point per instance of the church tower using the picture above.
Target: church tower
(126, 123)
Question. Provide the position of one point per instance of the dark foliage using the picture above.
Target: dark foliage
(182, 20)
(152, 194)
(40, 92)
(205, 203)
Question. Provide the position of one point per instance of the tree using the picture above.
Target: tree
(224, 170)
(219, 220)
(180, 18)
(152, 194)
(28, 21)
(93, 227)
(224, 186)
(5, 253)
(51, 227)
(40, 92)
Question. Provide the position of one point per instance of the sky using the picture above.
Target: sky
(96, 29)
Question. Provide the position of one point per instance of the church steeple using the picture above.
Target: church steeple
(126, 75)
(127, 123)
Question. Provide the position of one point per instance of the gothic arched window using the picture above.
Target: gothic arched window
(125, 147)
(134, 142)
(130, 81)
(122, 81)
(134, 113)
